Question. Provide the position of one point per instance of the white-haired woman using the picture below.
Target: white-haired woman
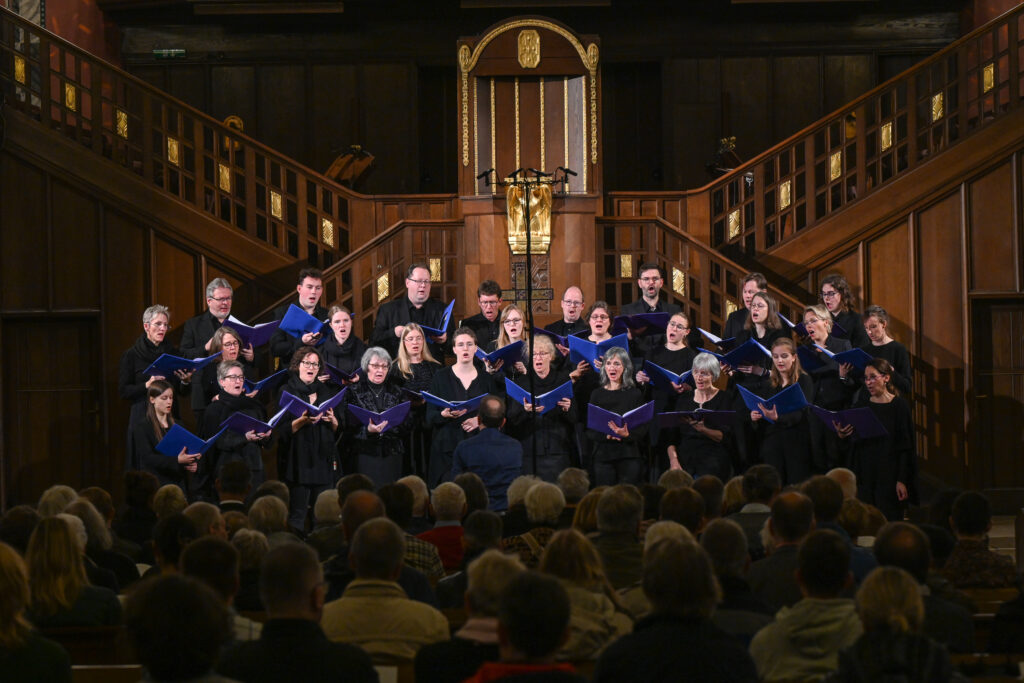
(697, 447)
(617, 458)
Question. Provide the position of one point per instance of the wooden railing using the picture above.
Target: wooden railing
(698, 278)
(845, 157)
(375, 272)
(232, 178)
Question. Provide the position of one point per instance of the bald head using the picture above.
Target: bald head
(846, 479)
(903, 545)
(359, 507)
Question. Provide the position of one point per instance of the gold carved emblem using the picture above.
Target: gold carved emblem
(529, 49)
(540, 219)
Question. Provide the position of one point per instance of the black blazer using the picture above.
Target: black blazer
(284, 345)
(401, 311)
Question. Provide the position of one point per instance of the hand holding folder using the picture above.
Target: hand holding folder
(446, 318)
(182, 444)
(468, 404)
(244, 424)
(296, 406)
(507, 354)
(723, 344)
(789, 400)
(615, 425)
(663, 379)
(543, 403)
(715, 419)
(582, 349)
(167, 364)
(640, 324)
(378, 423)
(268, 382)
(749, 352)
(859, 422)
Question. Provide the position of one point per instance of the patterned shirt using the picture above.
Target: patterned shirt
(423, 556)
(972, 564)
(529, 546)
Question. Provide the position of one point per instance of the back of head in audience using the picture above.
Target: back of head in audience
(169, 500)
(685, 506)
(215, 562)
(517, 489)
(533, 618)
(139, 488)
(941, 543)
(274, 487)
(97, 534)
(291, 583)
(733, 499)
(420, 495)
(55, 566)
(326, 510)
(55, 499)
(903, 545)
(378, 547)
(824, 564)
(177, 627)
(761, 483)
(77, 527)
(971, 515)
(208, 519)
(353, 482)
(14, 600)
(544, 504)
(726, 544)
(17, 525)
(397, 501)
(488, 576)
(359, 507)
(448, 501)
(668, 560)
(940, 507)
(234, 521)
(792, 517)
(712, 490)
(574, 483)
(827, 497)
(252, 547)
(571, 556)
(889, 600)
(234, 480)
(675, 479)
(170, 536)
(846, 479)
(476, 493)
(269, 515)
(666, 529)
(482, 530)
(620, 510)
(492, 412)
(100, 500)
(651, 493)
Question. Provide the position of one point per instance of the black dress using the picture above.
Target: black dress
(131, 384)
(231, 446)
(347, 357)
(747, 442)
(418, 438)
(378, 456)
(677, 361)
(884, 460)
(447, 432)
(899, 358)
(699, 454)
(786, 444)
(832, 393)
(853, 326)
(551, 433)
(617, 462)
(165, 467)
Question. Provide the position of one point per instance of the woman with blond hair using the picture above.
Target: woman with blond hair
(61, 593)
(24, 654)
(512, 328)
(597, 617)
(585, 519)
(892, 646)
(413, 370)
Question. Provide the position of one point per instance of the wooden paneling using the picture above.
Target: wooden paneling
(188, 84)
(746, 98)
(333, 112)
(994, 248)
(846, 77)
(890, 277)
(233, 91)
(76, 241)
(282, 92)
(389, 115)
(796, 94)
(24, 243)
(174, 282)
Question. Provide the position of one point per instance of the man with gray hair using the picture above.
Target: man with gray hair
(739, 613)
(575, 483)
(544, 505)
(448, 503)
(619, 512)
(846, 479)
(374, 612)
(207, 519)
(476, 641)
(198, 334)
(326, 537)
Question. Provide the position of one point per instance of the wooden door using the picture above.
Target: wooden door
(996, 421)
(51, 404)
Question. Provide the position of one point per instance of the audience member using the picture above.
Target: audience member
(55, 499)
(374, 612)
(252, 547)
(420, 502)
(208, 519)
(712, 491)
(772, 579)
(170, 536)
(971, 563)
(739, 613)
(675, 479)
(677, 641)
(846, 479)
(17, 525)
(269, 515)
(514, 520)
(475, 490)
(732, 496)
(544, 504)
(351, 483)
(168, 500)
(215, 562)
(419, 554)
(233, 485)
(575, 483)
(585, 519)
(235, 521)
(99, 544)
(137, 519)
(804, 641)
(273, 487)
(481, 532)
(827, 496)
(495, 457)
(448, 505)
(104, 504)
(292, 646)
(632, 597)
(94, 574)
(326, 538)
(683, 506)
(761, 483)
(617, 542)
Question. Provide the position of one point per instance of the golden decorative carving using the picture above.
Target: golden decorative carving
(494, 160)
(734, 224)
(476, 141)
(435, 269)
(122, 122)
(835, 165)
(516, 107)
(234, 122)
(587, 56)
(625, 266)
(172, 150)
(540, 219)
(885, 138)
(19, 69)
(565, 123)
(529, 49)
(785, 194)
(543, 163)
(592, 55)
(591, 63)
(938, 108)
(988, 77)
(275, 204)
(464, 64)
(224, 174)
(583, 152)
(678, 281)
(730, 307)
(70, 97)
(327, 231)
(383, 287)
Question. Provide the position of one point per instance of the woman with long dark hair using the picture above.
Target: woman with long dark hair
(838, 299)
(882, 345)
(151, 428)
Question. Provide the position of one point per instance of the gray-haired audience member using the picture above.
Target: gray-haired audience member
(619, 512)
(739, 612)
(675, 479)
(448, 503)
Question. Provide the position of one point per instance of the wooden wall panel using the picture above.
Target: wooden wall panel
(188, 84)
(849, 266)
(282, 102)
(126, 290)
(994, 247)
(76, 249)
(845, 78)
(23, 241)
(233, 91)
(333, 112)
(174, 283)
(890, 277)
(529, 123)
(796, 94)
(389, 113)
(746, 95)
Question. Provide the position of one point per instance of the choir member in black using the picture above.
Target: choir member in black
(836, 295)
(650, 301)
(833, 386)
(512, 330)
(150, 428)
(677, 356)
(307, 456)
(133, 383)
(785, 442)
(231, 446)
(227, 341)
(572, 321)
(458, 382)
(341, 348)
(414, 369)
(737, 320)
(696, 447)
(548, 439)
(376, 450)
(886, 467)
(617, 459)
(585, 380)
(876, 325)
(485, 323)
(415, 306)
(310, 288)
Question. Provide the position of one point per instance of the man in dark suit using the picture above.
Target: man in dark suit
(650, 301)
(485, 323)
(773, 579)
(495, 457)
(310, 289)
(415, 307)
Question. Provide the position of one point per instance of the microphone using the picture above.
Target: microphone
(539, 174)
(485, 174)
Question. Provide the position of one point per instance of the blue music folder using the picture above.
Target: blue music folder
(268, 382)
(722, 344)
(509, 353)
(583, 349)
(556, 338)
(789, 400)
(750, 352)
(712, 418)
(242, 423)
(468, 404)
(662, 378)
(866, 424)
(394, 416)
(598, 418)
(296, 406)
(446, 318)
(167, 364)
(257, 335)
(297, 322)
(809, 360)
(177, 437)
(340, 376)
(547, 401)
(799, 328)
(858, 358)
(642, 324)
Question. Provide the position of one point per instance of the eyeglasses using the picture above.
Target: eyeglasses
(574, 304)
(309, 364)
(872, 378)
(599, 316)
(159, 325)
(378, 366)
(677, 326)
(758, 307)
(235, 378)
(489, 304)
(219, 299)
(230, 345)
(513, 320)
(417, 282)
(829, 295)
(541, 353)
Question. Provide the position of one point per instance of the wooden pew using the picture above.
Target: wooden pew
(93, 645)
(114, 673)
